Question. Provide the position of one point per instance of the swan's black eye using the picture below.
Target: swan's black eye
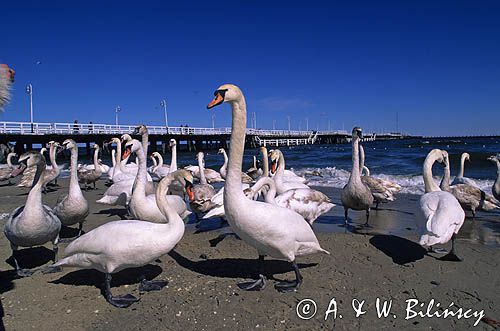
(222, 93)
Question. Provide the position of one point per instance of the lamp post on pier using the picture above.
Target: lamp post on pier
(117, 110)
(163, 103)
(29, 90)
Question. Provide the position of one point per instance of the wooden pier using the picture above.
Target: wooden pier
(25, 134)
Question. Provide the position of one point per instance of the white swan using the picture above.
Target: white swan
(382, 190)
(278, 172)
(272, 230)
(460, 179)
(34, 223)
(28, 174)
(161, 170)
(355, 194)
(142, 206)
(470, 197)
(91, 176)
(53, 172)
(223, 170)
(254, 171)
(308, 203)
(200, 195)
(120, 192)
(154, 165)
(5, 172)
(439, 216)
(134, 243)
(72, 208)
(495, 189)
(6, 80)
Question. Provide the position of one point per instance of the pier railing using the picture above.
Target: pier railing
(27, 128)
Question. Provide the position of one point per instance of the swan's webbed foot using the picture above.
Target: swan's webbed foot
(152, 285)
(288, 286)
(436, 250)
(51, 269)
(257, 285)
(25, 272)
(451, 257)
(122, 301)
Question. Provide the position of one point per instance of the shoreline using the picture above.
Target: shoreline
(202, 292)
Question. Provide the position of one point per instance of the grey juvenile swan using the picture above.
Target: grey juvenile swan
(496, 186)
(33, 224)
(355, 194)
(72, 208)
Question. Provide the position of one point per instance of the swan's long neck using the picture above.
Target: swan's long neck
(141, 177)
(175, 224)
(74, 187)
(203, 179)
(35, 196)
(155, 163)
(496, 185)
(173, 161)
(355, 173)
(265, 163)
(223, 169)
(52, 156)
(462, 166)
(271, 193)
(232, 188)
(113, 157)
(160, 160)
(445, 181)
(96, 159)
(118, 152)
(430, 185)
(145, 142)
(9, 159)
(361, 157)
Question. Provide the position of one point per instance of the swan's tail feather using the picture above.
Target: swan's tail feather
(80, 260)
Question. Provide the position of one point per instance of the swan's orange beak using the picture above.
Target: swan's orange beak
(126, 153)
(274, 165)
(218, 99)
(190, 193)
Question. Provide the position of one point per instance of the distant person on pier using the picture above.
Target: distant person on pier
(91, 127)
(76, 127)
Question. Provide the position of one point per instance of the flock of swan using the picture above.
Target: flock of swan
(270, 208)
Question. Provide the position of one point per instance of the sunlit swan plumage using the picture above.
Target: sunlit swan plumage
(88, 177)
(134, 243)
(470, 197)
(495, 189)
(142, 206)
(382, 190)
(439, 216)
(272, 230)
(34, 223)
(5, 172)
(460, 179)
(278, 172)
(355, 194)
(72, 208)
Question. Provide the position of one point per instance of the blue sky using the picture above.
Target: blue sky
(434, 63)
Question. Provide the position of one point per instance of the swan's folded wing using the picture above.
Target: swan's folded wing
(109, 237)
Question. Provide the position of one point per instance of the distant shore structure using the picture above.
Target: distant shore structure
(190, 138)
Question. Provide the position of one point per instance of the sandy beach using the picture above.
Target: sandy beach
(203, 272)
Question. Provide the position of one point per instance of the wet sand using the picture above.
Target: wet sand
(384, 262)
